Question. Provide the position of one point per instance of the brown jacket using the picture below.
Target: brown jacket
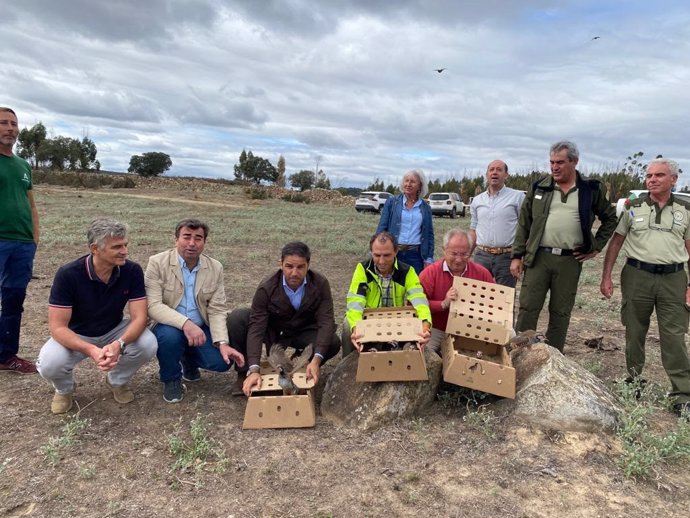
(274, 320)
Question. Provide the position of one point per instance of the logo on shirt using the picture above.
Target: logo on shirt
(26, 178)
(678, 216)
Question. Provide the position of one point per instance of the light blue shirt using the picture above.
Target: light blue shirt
(187, 305)
(411, 225)
(495, 218)
(295, 296)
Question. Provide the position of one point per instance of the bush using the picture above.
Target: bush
(296, 197)
(256, 193)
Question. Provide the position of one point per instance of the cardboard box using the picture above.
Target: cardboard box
(387, 325)
(492, 373)
(481, 320)
(269, 408)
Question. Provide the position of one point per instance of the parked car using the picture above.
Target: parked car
(446, 203)
(371, 201)
(639, 193)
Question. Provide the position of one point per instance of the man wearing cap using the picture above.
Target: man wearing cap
(186, 301)
(494, 219)
(655, 230)
(554, 237)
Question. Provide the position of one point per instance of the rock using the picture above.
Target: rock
(555, 393)
(370, 405)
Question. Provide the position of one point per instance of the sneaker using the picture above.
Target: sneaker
(173, 391)
(190, 373)
(239, 382)
(18, 365)
(62, 403)
(682, 409)
(122, 393)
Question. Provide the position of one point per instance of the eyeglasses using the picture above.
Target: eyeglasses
(456, 255)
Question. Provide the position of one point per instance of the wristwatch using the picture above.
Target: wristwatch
(254, 369)
(123, 345)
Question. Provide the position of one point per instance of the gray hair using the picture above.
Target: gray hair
(421, 177)
(571, 147)
(102, 229)
(453, 232)
(671, 164)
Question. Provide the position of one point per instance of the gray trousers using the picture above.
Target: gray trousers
(56, 362)
(498, 265)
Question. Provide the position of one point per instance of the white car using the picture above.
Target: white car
(371, 201)
(446, 203)
(638, 193)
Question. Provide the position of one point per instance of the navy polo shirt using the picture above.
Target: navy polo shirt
(96, 307)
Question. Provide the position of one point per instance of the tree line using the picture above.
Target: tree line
(255, 169)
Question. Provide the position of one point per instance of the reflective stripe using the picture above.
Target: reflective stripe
(414, 291)
(359, 306)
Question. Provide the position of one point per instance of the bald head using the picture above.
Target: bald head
(496, 174)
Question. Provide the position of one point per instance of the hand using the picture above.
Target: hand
(314, 369)
(355, 339)
(583, 257)
(253, 381)
(108, 356)
(229, 355)
(194, 334)
(516, 267)
(687, 296)
(606, 288)
(451, 296)
(425, 336)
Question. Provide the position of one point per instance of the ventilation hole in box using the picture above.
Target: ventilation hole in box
(373, 368)
(390, 363)
(409, 367)
(279, 408)
(297, 412)
(261, 414)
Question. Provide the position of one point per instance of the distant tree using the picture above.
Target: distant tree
(29, 140)
(280, 169)
(153, 163)
(59, 152)
(376, 186)
(393, 189)
(303, 180)
(87, 155)
(322, 181)
(255, 169)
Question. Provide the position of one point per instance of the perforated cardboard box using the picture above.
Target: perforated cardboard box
(479, 327)
(387, 325)
(269, 408)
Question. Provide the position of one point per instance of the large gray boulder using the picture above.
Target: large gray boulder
(555, 393)
(370, 405)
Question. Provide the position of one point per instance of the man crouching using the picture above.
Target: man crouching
(85, 317)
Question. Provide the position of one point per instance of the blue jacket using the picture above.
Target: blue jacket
(390, 222)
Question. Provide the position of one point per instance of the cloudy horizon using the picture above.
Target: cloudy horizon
(352, 84)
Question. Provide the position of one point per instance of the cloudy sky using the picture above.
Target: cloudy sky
(351, 84)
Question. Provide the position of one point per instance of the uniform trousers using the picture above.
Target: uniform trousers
(642, 293)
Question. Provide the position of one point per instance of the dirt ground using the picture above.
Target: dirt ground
(434, 465)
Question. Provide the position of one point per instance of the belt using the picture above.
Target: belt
(407, 248)
(655, 268)
(556, 251)
(495, 250)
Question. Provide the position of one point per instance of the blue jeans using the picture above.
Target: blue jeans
(173, 348)
(413, 258)
(16, 266)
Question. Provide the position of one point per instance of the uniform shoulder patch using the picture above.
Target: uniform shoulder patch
(680, 201)
(637, 202)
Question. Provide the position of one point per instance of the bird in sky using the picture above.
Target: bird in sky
(439, 70)
(596, 38)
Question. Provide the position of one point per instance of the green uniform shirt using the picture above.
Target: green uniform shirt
(655, 236)
(16, 221)
(562, 228)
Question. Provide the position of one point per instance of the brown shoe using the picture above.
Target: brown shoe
(62, 403)
(18, 365)
(122, 393)
(239, 382)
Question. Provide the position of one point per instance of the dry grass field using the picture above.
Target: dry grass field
(151, 459)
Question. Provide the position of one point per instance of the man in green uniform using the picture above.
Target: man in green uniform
(656, 232)
(18, 241)
(553, 238)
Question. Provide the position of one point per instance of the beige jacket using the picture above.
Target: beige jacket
(165, 287)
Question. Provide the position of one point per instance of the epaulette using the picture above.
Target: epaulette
(637, 202)
(681, 201)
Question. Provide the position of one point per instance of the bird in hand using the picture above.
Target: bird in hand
(287, 367)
